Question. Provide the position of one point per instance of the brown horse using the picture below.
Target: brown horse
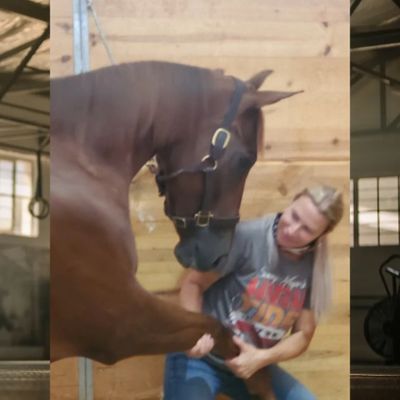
(204, 129)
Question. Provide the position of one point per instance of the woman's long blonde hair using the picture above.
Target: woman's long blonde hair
(329, 202)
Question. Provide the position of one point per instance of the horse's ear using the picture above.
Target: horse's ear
(266, 97)
(257, 80)
(263, 98)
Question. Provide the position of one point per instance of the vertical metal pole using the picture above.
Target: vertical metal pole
(378, 210)
(14, 197)
(81, 37)
(382, 89)
(355, 216)
(85, 379)
(398, 205)
(82, 64)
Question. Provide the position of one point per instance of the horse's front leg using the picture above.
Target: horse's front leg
(146, 324)
(259, 385)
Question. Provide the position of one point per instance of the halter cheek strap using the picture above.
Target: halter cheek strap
(207, 166)
(208, 163)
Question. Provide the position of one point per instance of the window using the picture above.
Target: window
(16, 190)
(374, 211)
(367, 212)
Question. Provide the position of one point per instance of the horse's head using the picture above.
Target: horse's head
(203, 175)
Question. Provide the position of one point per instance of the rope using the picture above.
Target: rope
(103, 38)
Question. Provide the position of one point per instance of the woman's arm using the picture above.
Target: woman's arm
(194, 284)
(251, 359)
(295, 344)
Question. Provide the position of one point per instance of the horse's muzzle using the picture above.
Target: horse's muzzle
(203, 248)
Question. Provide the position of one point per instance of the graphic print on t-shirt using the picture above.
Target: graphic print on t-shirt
(268, 309)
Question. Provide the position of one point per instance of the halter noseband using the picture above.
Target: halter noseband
(208, 165)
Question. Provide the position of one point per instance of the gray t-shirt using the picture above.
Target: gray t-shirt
(262, 291)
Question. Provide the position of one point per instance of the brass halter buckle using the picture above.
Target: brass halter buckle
(226, 139)
(203, 218)
(180, 222)
(212, 167)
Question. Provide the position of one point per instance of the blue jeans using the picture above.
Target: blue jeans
(196, 379)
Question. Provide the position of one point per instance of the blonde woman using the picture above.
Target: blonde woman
(276, 281)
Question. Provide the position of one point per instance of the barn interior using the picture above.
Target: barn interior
(24, 184)
(375, 201)
(307, 141)
(310, 146)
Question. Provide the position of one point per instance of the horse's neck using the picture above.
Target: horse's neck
(185, 109)
(126, 115)
(106, 127)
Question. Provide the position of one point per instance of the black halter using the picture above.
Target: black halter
(209, 163)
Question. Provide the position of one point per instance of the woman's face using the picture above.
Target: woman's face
(301, 223)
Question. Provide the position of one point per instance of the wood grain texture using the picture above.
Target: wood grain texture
(64, 383)
(306, 43)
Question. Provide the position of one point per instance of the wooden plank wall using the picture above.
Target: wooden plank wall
(306, 42)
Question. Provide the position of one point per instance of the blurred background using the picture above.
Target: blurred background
(306, 43)
(24, 184)
(375, 201)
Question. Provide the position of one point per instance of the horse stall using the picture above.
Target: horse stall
(306, 142)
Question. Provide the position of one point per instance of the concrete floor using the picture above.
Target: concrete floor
(24, 380)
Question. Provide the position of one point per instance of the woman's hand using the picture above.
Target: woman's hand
(247, 362)
(203, 346)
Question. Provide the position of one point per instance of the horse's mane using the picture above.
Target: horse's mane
(163, 82)
(162, 74)
(139, 70)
